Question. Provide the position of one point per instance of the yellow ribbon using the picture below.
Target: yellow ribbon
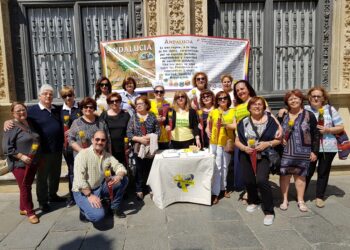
(183, 182)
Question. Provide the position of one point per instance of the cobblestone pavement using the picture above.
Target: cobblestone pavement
(183, 225)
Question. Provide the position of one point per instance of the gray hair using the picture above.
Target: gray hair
(45, 87)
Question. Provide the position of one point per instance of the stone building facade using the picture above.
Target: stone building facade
(162, 17)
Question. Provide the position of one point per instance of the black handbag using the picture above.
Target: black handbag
(270, 153)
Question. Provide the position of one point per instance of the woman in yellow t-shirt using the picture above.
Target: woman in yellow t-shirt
(221, 124)
(183, 123)
(160, 107)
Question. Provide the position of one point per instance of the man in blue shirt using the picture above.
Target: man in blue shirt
(46, 119)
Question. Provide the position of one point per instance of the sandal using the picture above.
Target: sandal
(227, 194)
(284, 206)
(139, 196)
(302, 207)
(215, 199)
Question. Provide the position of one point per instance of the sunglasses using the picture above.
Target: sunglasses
(89, 107)
(100, 139)
(104, 85)
(65, 96)
(206, 96)
(200, 79)
(180, 97)
(116, 101)
(223, 98)
(159, 91)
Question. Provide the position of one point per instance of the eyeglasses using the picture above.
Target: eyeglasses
(316, 96)
(223, 98)
(89, 107)
(206, 96)
(65, 96)
(200, 79)
(100, 139)
(180, 97)
(104, 85)
(159, 91)
(20, 111)
(116, 101)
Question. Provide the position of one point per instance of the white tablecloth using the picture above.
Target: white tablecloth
(184, 179)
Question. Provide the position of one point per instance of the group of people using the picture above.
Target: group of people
(97, 135)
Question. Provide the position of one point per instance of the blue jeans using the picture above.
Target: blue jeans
(97, 214)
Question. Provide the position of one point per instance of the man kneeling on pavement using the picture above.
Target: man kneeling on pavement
(90, 187)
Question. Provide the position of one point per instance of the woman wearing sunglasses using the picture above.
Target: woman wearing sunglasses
(332, 124)
(182, 121)
(206, 101)
(160, 107)
(117, 123)
(103, 88)
(200, 83)
(221, 124)
(70, 111)
(83, 128)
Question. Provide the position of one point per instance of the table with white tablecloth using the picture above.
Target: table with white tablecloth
(186, 178)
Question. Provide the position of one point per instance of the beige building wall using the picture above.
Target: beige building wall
(7, 84)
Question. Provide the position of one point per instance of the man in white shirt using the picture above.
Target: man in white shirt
(90, 184)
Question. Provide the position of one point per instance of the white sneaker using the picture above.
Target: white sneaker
(251, 208)
(268, 219)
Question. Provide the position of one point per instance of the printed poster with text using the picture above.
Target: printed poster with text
(171, 61)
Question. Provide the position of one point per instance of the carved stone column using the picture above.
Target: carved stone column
(174, 17)
(340, 59)
(7, 84)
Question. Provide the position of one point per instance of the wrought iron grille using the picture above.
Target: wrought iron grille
(60, 41)
(246, 20)
(283, 34)
(294, 37)
(51, 33)
(101, 24)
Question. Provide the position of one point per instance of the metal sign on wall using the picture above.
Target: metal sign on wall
(171, 61)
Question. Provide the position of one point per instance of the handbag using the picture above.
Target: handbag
(4, 168)
(274, 158)
(343, 142)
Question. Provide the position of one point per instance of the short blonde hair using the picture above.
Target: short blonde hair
(66, 90)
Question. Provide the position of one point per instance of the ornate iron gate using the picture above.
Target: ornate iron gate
(60, 41)
(283, 34)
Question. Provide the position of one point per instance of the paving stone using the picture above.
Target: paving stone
(2, 236)
(232, 234)
(147, 216)
(69, 221)
(146, 237)
(113, 238)
(287, 239)
(187, 223)
(63, 240)
(32, 235)
(255, 220)
(327, 246)
(10, 218)
(192, 241)
(317, 230)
